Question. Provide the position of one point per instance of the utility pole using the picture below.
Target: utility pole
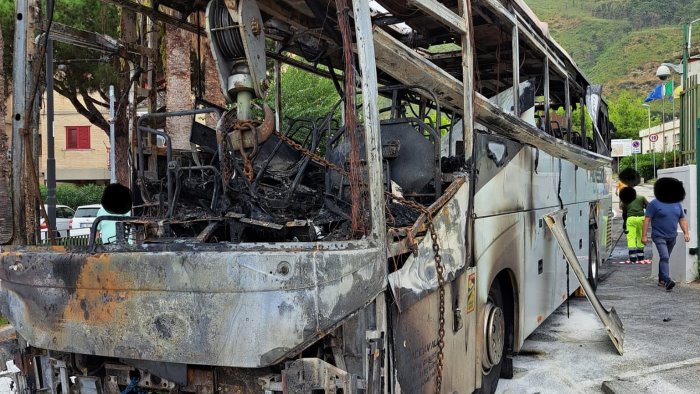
(20, 70)
(112, 140)
(50, 157)
(6, 223)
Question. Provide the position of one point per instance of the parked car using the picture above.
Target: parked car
(84, 216)
(64, 214)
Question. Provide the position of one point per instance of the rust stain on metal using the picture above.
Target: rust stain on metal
(99, 293)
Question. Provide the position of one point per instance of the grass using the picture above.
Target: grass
(632, 61)
(612, 52)
(3, 321)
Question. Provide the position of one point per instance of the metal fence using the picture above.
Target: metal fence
(690, 112)
(75, 240)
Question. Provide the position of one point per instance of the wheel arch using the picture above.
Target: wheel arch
(509, 291)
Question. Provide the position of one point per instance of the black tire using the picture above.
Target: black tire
(489, 381)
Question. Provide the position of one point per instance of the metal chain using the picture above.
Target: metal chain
(441, 292)
(241, 126)
(433, 236)
(313, 156)
(441, 284)
(250, 126)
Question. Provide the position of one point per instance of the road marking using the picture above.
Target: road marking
(643, 372)
(632, 262)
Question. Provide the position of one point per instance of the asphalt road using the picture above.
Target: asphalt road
(575, 355)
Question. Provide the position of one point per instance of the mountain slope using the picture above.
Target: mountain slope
(618, 43)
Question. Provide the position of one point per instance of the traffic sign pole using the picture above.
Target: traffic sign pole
(636, 149)
(653, 155)
(653, 138)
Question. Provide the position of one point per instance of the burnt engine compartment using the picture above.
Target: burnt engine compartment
(296, 185)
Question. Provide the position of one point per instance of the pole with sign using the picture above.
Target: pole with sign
(620, 148)
(636, 149)
(653, 138)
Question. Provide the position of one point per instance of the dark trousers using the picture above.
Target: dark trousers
(664, 246)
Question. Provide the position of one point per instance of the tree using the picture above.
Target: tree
(627, 114)
(178, 84)
(7, 28)
(84, 76)
(305, 95)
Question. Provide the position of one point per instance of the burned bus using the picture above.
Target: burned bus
(408, 241)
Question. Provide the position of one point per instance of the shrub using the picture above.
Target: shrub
(645, 163)
(75, 196)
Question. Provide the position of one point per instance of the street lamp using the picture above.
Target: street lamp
(653, 144)
(663, 72)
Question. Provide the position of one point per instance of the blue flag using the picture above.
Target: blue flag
(656, 94)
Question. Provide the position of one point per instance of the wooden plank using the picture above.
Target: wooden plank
(442, 14)
(402, 63)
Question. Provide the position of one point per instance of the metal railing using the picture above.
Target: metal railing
(690, 111)
(71, 240)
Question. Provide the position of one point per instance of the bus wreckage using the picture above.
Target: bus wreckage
(400, 244)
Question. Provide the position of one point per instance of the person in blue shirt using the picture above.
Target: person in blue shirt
(664, 214)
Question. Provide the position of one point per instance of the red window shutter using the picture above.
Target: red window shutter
(84, 137)
(71, 138)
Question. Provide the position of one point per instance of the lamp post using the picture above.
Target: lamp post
(653, 144)
(663, 72)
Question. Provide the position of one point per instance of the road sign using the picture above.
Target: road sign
(621, 147)
(636, 146)
(653, 137)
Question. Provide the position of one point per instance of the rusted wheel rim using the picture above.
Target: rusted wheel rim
(494, 336)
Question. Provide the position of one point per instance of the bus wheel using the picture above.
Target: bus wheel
(495, 332)
(593, 265)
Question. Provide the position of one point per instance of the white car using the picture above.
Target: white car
(64, 214)
(83, 218)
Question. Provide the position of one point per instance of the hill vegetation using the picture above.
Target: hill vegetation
(619, 43)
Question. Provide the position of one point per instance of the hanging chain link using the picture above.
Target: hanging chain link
(433, 236)
(441, 283)
(313, 156)
(238, 126)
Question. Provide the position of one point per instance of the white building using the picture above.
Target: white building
(667, 135)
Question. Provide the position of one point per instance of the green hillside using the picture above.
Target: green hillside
(619, 43)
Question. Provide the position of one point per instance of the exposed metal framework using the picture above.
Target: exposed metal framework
(239, 267)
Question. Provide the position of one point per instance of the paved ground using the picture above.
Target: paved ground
(575, 355)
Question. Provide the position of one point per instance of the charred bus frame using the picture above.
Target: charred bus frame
(399, 308)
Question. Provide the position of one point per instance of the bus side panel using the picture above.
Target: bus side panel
(415, 340)
(540, 271)
(544, 286)
(577, 227)
(499, 247)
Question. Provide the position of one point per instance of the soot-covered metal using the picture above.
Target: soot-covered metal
(272, 186)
